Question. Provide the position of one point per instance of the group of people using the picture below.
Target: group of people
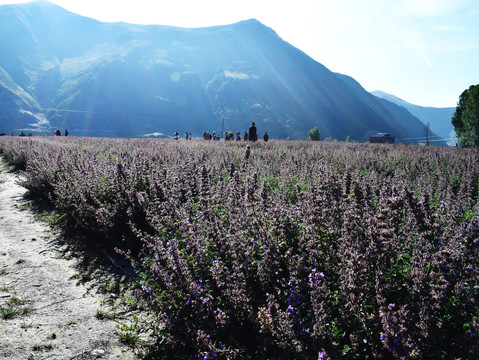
(176, 135)
(59, 133)
(230, 136)
(250, 135)
(208, 136)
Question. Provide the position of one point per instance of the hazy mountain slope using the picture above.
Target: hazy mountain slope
(118, 79)
(22, 98)
(19, 110)
(439, 119)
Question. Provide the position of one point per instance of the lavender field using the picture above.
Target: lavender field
(280, 250)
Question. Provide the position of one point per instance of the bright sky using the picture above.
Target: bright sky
(423, 51)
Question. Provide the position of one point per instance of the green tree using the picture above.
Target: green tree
(466, 118)
(313, 134)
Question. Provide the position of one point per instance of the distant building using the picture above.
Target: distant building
(381, 138)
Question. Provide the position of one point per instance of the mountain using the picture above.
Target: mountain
(439, 119)
(62, 70)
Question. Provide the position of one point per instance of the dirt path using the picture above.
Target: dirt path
(48, 308)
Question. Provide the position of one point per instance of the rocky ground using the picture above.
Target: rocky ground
(54, 304)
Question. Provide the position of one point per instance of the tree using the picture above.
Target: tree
(313, 134)
(466, 118)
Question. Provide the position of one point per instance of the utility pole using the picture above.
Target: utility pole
(426, 132)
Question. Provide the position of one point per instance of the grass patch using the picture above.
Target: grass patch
(26, 310)
(8, 313)
(129, 334)
(110, 287)
(83, 277)
(14, 308)
(102, 314)
(16, 301)
(42, 347)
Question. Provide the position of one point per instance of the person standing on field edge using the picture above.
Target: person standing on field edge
(265, 137)
(252, 135)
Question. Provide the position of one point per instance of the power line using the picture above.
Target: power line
(442, 140)
(425, 137)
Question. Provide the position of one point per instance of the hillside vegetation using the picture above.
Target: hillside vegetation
(293, 250)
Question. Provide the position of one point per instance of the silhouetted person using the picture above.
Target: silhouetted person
(265, 136)
(58, 133)
(252, 135)
(66, 132)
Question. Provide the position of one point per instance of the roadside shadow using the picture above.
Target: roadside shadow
(97, 263)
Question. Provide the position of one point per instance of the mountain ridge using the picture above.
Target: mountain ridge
(120, 79)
